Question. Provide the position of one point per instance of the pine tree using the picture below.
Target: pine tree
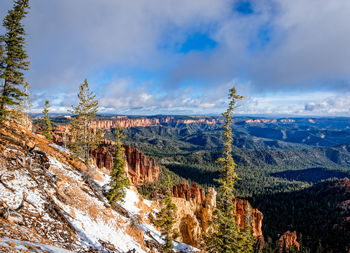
(47, 122)
(84, 138)
(119, 179)
(226, 235)
(165, 218)
(13, 58)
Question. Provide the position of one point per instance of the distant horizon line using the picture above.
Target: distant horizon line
(204, 115)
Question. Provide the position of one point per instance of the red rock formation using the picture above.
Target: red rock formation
(288, 240)
(182, 190)
(244, 211)
(103, 157)
(141, 169)
(125, 122)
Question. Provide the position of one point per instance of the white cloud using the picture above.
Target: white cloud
(308, 50)
(335, 105)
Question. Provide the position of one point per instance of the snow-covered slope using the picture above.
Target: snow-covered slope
(59, 203)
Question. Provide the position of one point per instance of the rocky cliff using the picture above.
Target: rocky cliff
(141, 169)
(195, 210)
(125, 122)
(183, 190)
(50, 202)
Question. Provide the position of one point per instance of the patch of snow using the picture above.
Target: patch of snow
(147, 202)
(22, 184)
(105, 179)
(130, 201)
(23, 246)
(58, 165)
(92, 230)
(8, 150)
(60, 148)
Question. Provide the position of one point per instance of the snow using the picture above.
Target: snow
(130, 201)
(65, 169)
(22, 184)
(23, 246)
(60, 148)
(92, 230)
(147, 202)
(108, 225)
(105, 179)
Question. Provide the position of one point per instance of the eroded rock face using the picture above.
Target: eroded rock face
(125, 122)
(182, 190)
(141, 169)
(192, 218)
(288, 240)
(194, 211)
(246, 212)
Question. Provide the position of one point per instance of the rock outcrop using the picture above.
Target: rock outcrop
(141, 169)
(194, 211)
(288, 240)
(192, 218)
(182, 190)
(245, 213)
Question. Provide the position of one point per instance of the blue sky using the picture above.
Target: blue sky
(181, 57)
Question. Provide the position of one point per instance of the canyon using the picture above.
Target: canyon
(126, 122)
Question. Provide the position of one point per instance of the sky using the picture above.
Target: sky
(148, 57)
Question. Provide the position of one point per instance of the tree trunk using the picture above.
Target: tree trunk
(4, 94)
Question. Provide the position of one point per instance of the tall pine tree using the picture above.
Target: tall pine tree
(84, 138)
(14, 59)
(119, 179)
(226, 235)
(46, 121)
(165, 218)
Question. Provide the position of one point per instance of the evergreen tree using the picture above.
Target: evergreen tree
(84, 138)
(13, 59)
(226, 235)
(165, 218)
(47, 122)
(119, 179)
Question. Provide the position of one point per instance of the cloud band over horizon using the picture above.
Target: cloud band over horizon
(181, 57)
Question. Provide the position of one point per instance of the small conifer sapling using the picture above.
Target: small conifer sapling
(47, 122)
(119, 179)
(165, 218)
